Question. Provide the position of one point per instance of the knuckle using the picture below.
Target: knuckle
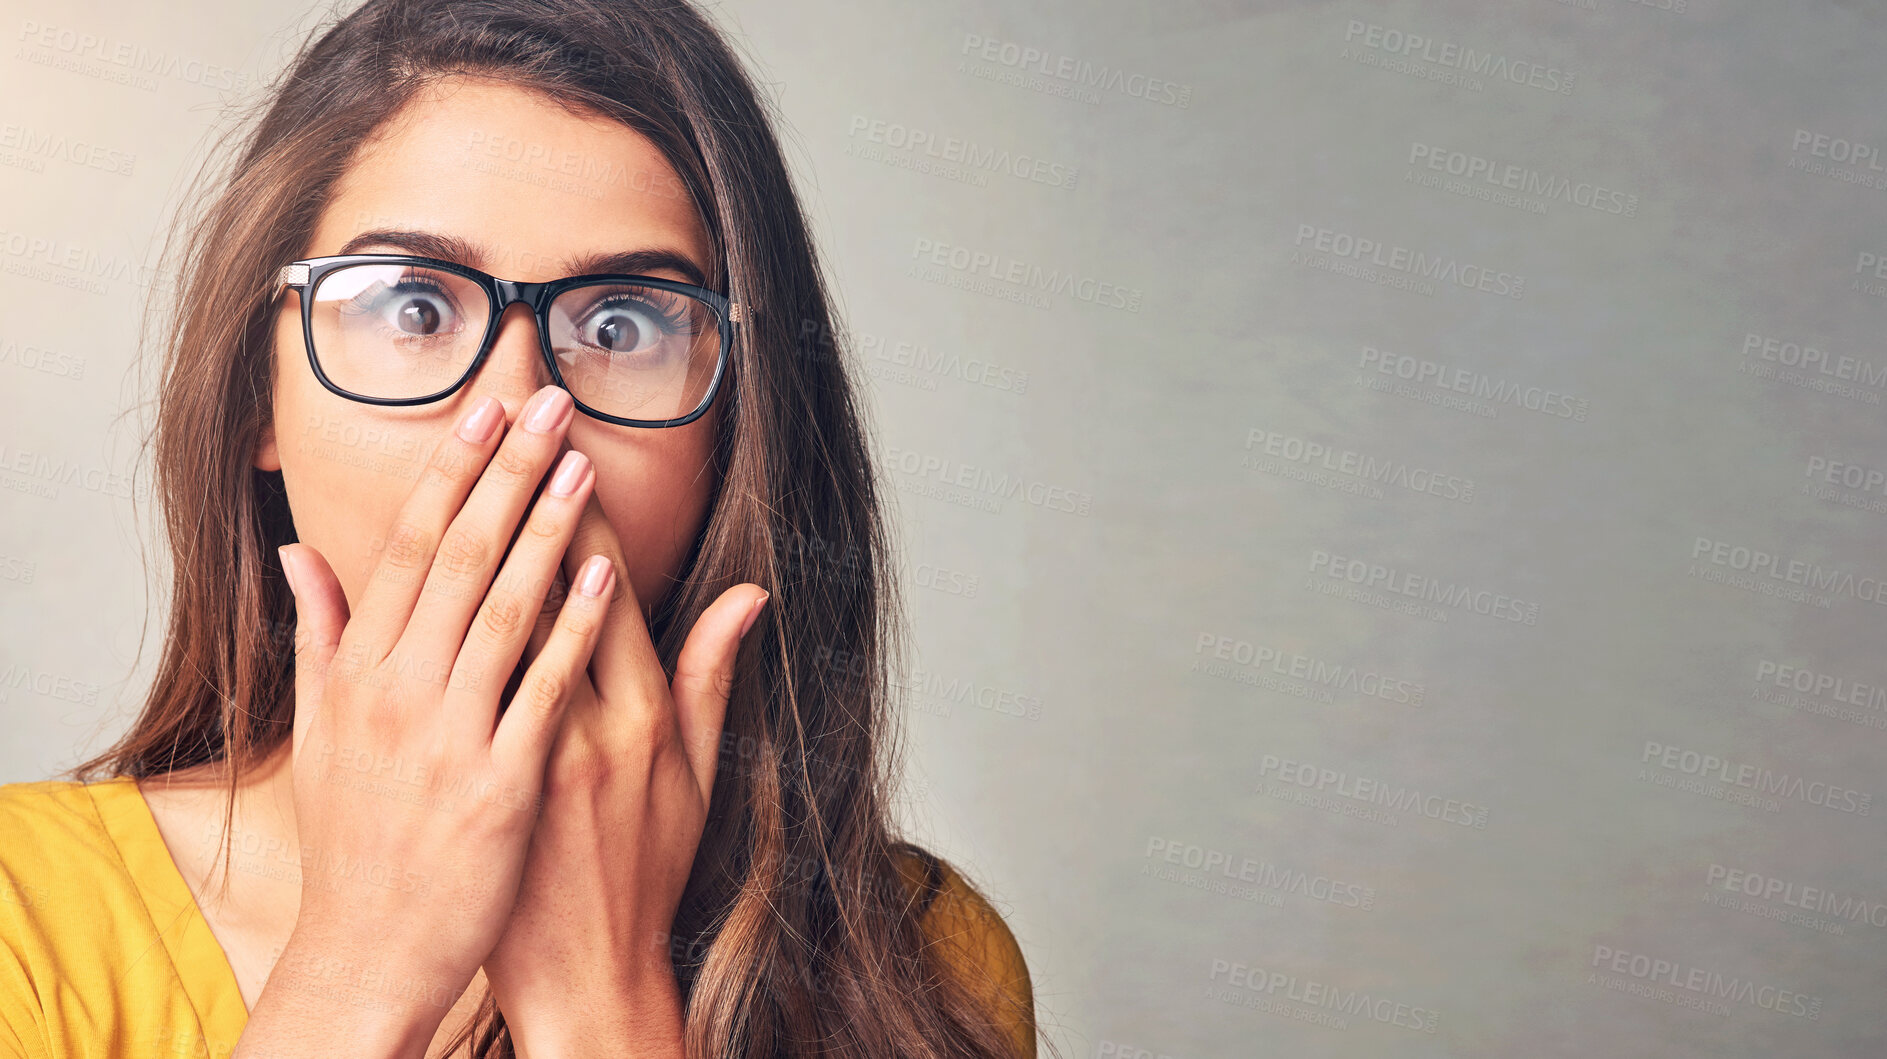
(649, 730)
(715, 682)
(305, 644)
(407, 546)
(543, 525)
(580, 621)
(545, 693)
(501, 616)
(513, 464)
(463, 553)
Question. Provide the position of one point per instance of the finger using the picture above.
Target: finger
(387, 601)
(625, 657)
(508, 614)
(704, 677)
(529, 725)
(540, 634)
(320, 617)
(470, 548)
(547, 614)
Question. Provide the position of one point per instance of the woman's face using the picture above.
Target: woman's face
(527, 187)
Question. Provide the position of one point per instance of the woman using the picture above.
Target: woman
(412, 397)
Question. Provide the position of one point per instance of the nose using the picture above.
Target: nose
(514, 368)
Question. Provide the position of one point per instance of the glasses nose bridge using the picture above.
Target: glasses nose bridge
(504, 294)
(510, 291)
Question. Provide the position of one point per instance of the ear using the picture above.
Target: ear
(266, 457)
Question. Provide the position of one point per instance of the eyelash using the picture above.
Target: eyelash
(405, 285)
(670, 320)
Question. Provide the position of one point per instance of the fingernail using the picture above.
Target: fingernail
(596, 576)
(570, 472)
(478, 424)
(548, 410)
(288, 568)
(754, 614)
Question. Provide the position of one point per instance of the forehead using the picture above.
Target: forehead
(512, 173)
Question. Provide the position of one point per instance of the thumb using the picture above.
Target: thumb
(704, 676)
(320, 615)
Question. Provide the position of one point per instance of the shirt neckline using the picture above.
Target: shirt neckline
(201, 965)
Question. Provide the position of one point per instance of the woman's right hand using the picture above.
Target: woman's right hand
(415, 797)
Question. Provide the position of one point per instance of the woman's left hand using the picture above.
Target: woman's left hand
(583, 965)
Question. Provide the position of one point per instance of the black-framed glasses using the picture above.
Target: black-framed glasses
(394, 329)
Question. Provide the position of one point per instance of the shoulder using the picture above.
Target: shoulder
(53, 844)
(45, 823)
(974, 940)
(41, 800)
(54, 833)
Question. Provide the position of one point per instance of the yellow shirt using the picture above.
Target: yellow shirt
(103, 952)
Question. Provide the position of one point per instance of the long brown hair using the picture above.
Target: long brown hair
(793, 938)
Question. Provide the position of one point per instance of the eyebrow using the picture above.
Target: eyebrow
(453, 248)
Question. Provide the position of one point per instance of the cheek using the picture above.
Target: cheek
(347, 467)
(655, 493)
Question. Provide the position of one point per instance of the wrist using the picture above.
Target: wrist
(555, 1016)
(343, 992)
(314, 998)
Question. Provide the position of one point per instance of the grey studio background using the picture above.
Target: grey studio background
(1392, 493)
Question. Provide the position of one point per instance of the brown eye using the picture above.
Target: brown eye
(419, 316)
(415, 307)
(624, 325)
(617, 331)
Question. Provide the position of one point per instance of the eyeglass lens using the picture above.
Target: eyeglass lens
(393, 331)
